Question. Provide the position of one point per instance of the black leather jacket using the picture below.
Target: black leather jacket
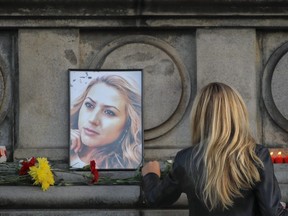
(264, 199)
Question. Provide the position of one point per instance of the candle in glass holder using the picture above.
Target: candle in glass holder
(272, 157)
(279, 158)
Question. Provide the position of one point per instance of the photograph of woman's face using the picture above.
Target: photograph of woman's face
(106, 119)
(102, 116)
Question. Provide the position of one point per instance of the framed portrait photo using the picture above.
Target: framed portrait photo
(105, 121)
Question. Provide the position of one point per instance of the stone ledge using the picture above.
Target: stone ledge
(76, 197)
(84, 197)
(98, 197)
(130, 8)
(117, 196)
(281, 173)
(69, 212)
(89, 212)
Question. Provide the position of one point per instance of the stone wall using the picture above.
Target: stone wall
(181, 45)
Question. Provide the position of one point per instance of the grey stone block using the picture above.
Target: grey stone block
(44, 58)
(99, 196)
(69, 212)
(229, 56)
(281, 173)
(275, 117)
(165, 212)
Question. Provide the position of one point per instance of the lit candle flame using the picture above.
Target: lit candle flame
(279, 153)
(271, 153)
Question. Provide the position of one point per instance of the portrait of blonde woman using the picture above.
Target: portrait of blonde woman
(106, 120)
(224, 172)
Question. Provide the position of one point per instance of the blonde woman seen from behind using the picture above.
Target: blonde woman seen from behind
(224, 172)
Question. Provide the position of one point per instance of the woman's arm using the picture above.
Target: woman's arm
(151, 167)
(159, 192)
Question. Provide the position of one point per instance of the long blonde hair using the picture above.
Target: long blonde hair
(220, 129)
(126, 151)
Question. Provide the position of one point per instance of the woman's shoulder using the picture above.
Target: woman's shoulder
(264, 155)
(184, 155)
(262, 151)
(184, 152)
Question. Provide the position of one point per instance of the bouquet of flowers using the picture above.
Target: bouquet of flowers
(38, 171)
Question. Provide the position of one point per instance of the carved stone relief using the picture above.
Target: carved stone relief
(5, 93)
(275, 88)
(6, 111)
(166, 80)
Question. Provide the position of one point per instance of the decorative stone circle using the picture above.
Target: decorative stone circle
(267, 95)
(179, 103)
(5, 90)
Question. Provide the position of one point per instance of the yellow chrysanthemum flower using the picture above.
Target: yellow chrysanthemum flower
(41, 173)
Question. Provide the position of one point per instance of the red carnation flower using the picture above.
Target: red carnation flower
(92, 165)
(26, 166)
(94, 171)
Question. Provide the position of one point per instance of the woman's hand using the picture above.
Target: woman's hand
(75, 144)
(151, 167)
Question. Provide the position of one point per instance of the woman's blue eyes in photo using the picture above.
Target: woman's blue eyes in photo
(109, 112)
(89, 105)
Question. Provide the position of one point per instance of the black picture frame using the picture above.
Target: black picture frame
(106, 119)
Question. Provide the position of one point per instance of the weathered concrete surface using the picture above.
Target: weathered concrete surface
(70, 212)
(273, 134)
(97, 212)
(161, 57)
(227, 41)
(114, 8)
(229, 56)
(95, 197)
(7, 101)
(44, 58)
(18, 197)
